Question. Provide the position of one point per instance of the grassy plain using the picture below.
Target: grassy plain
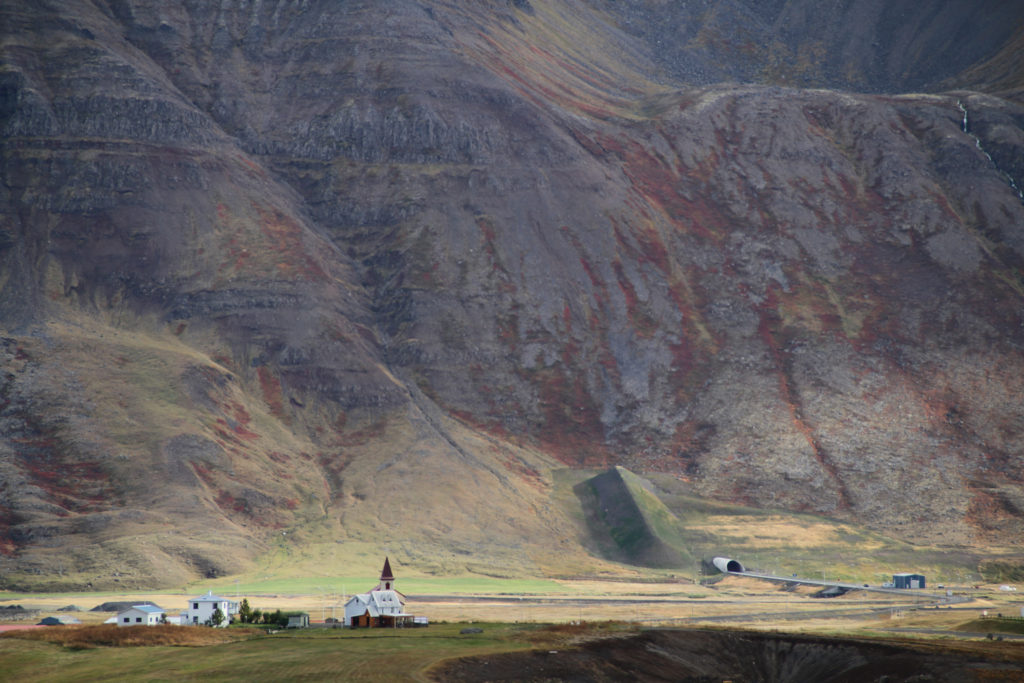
(86, 653)
(513, 616)
(549, 601)
(314, 654)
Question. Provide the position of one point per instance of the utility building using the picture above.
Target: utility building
(906, 580)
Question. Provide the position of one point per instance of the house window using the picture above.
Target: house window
(127, 620)
(195, 605)
(138, 620)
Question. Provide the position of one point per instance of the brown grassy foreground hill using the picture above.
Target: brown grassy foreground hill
(277, 273)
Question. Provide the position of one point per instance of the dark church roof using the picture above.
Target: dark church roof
(385, 574)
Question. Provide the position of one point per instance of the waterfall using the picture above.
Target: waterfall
(977, 143)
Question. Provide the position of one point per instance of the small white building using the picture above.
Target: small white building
(300, 620)
(200, 610)
(140, 615)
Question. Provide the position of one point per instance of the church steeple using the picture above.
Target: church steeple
(386, 577)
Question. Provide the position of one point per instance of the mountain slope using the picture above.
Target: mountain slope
(374, 270)
(864, 46)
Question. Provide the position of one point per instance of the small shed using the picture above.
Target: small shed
(300, 620)
(908, 580)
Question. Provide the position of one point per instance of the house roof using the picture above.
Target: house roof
(148, 609)
(210, 597)
(386, 598)
(378, 602)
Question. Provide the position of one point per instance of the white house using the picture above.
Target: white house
(200, 610)
(383, 606)
(140, 615)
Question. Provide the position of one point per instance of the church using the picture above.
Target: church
(381, 607)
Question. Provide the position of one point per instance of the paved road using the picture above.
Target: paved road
(937, 598)
(567, 600)
(845, 613)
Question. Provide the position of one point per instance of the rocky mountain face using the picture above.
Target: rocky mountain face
(279, 272)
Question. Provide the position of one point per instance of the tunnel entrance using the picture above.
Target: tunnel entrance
(725, 564)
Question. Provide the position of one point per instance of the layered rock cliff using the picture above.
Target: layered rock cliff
(371, 271)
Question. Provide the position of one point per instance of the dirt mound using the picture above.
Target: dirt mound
(17, 612)
(628, 522)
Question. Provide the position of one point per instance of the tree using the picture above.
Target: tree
(256, 617)
(245, 612)
(217, 618)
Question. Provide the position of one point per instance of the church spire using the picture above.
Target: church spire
(386, 577)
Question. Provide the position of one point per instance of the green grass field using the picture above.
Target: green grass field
(315, 654)
(994, 625)
(324, 586)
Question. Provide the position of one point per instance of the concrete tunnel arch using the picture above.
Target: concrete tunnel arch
(727, 565)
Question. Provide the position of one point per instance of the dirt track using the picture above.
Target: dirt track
(703, 656)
